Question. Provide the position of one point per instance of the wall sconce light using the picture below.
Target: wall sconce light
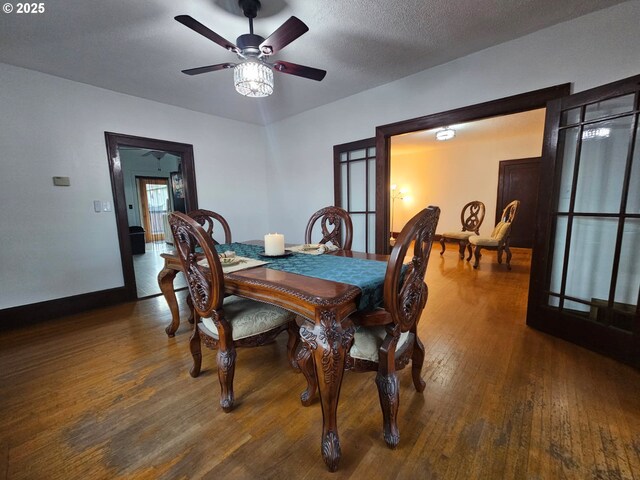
(445, 133)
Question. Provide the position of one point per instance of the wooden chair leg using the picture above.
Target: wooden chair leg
(470, 249)
(500, 250)
(389, 389)
(417, 360)
(226, 370)
(462, 245)
(196, 350)
(389, 393)
(442, 244)
(305, 364)
(508, 250)
(293, 343)
(476, 254)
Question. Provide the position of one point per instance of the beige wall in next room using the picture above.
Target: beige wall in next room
(451, 173)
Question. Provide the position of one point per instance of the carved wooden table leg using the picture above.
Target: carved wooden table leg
(328, 341)
(165, 280)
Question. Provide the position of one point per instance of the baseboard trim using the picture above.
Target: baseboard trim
(25, 315)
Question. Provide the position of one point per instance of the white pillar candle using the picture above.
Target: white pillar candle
(274, 244)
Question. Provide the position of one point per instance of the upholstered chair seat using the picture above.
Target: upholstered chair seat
(458, 235)
(368, 340)
(499, 239)
(249, 318)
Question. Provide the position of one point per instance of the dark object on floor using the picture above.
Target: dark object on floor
(136, 235)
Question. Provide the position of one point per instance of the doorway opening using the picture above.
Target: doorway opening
(470, 166)
(150, 178)
(525, 102)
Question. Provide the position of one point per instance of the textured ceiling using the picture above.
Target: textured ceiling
(529, 123)
(136, 47)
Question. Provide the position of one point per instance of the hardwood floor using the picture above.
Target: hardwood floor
(106, 395)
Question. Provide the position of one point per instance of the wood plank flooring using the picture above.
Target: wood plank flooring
(106, 395)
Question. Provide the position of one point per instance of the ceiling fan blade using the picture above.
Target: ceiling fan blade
(299, 70)
(283, 36)
(208, 68)
(196, 26)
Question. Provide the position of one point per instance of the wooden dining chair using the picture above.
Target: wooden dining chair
(471, 217)
(500, 237)
(207, 220)
(338, 218)
(223, 323)
(386, 339)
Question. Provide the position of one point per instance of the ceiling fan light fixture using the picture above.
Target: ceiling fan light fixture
(253, 78)
(445, 133)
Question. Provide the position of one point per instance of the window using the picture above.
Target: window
(355, 189)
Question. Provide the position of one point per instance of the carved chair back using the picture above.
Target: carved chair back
(502, 230)
(405, 292)
(206, 219)
(206, 284)
(510, 211)
(337, 217)
(472, 216)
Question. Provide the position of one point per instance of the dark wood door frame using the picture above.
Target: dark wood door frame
(505, 106)
(115, 140)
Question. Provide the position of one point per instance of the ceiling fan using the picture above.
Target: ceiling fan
(253, 75)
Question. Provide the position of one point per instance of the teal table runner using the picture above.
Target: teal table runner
(368, 275)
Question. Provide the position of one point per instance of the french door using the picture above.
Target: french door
(154, 205)
(354, 167)
(585, 277)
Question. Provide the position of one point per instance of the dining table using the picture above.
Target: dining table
(323, 290)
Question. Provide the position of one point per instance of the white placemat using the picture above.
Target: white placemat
(312, 248)
(243, 264)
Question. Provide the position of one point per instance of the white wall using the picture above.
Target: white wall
(453, 173)
(589, 51)
(53, 244)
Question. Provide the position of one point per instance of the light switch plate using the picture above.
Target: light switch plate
(106, 206)
(97, 206)
(61, 181)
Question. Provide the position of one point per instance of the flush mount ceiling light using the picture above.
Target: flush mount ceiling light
(445, 133)
(253, 76)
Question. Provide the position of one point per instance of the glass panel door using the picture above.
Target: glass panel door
(355, 189)
(585, 280)
(154, 205)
